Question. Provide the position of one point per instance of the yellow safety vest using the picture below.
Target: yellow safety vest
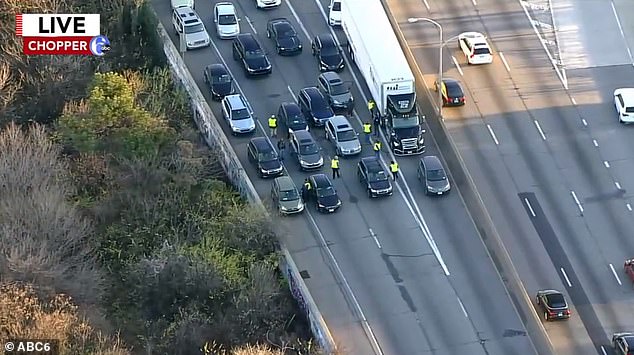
(377, 146)
(272, 122)
(367, 128)
(307, 185)
(394, 167)
(370, 105)
(334, 163)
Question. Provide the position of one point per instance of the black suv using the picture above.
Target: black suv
(284, 35)
(264, 157)
(327, 52)
(247, 49)
(315, 106)
(218, 80)
(374, 177)
(324, 193)
(292, 117)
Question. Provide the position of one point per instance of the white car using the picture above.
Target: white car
(624, 103)
(334, 15)
(182, 3)
(237, 111)
(475, 48)
(226, 20)
(266, 4)
(187, 23)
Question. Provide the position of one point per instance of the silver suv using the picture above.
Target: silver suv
(238, 114)
(187, 22)
(226, 20)
(343, 136)
(336, 91)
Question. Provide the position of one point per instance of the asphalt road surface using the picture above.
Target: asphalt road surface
(395, 252)
(552, 165)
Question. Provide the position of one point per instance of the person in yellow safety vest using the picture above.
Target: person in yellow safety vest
(367, 129)
(305, 189)
(371, 105)
(377, 149)
(334, 164)
(273, 125)
(394, 169)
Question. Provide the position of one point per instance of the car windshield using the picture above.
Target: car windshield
(436, 175)
(289, 195)
(346, 136)
(223, 78)
(556, 301)
(254, 54)
(194, 28)
(267, 156)
(241, 114)
(405, 122)
(310, 148)
(377, 176)
(227, 20)
(339, 89)
(336, 6)
(326, 191)
(484, 50)
(296, 119)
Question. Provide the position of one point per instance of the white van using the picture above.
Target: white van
(334, 15)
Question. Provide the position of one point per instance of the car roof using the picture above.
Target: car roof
(331, 76)
(372, 163)
(432, 162)
(325, 38)
(225, 8)
(261, 143)
(627, 94)
(248, 41)
(285, 183)
(339, 121)
(321, 180)
(303, 135)
(217, 68)
(291, 107)
(236, 101)
(186, 12)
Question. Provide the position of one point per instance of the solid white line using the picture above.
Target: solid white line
(618, 22)
(618, 186)
(474, 2)
(585, 123)
(539, 128)
(426, 5)
(563, 272)
(301, 24)
(616, 276)
(250, 25)
(530, 208)
(455, 62)
(594, 141)
(574, 196)
(290, 90)
(574, 102)
(629, 207)
(603, 350)
(376, 240)
(464, 310)
(606, 163)
(506, 64)
(495, 139)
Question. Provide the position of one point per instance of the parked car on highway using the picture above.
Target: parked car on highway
(291, 116)
(553, 304)
(186, 21)
(314, 106)
(334, 13)
(336, 91)
(306, 149)
(374, 177)
(324, 193)
(628, 266)
(267, 4)
(247, 50)
(452, 94)
(238, 114)
(623, 343)
(218, 80)
(264, 157)
(285, 196)
(341, 134)
(226, 20)
(182, 3)
(624, 103)
(327, 52)
(475, 48)
(281, 31)
(433, 176)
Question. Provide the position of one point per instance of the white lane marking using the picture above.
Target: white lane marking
(464, 310)
(301, 24)
(574, 102)
(603, 350)
(426, 5)
(455, 62)
(563, 272)
(618, 186)
(629, 207)
(574, 196)
(495, 139)
(606, 163)
(539, 128)
(594, 141)
(474, 2)
(290, 90)
(530, 208)
(250, 25)
(618, 22)
(585, 123)
(506, 64)
(616, 276)
(376, 240)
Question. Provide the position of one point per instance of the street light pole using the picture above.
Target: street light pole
(440, 47)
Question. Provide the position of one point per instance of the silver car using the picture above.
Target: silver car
(432, 174)
(285, 196)
(238, 114)
(226, 20)
(306, 149)
(187, 23)
(340, 133)
(336, 91)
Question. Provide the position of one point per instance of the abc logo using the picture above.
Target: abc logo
(99, 45)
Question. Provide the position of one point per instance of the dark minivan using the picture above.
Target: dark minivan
(264, 157)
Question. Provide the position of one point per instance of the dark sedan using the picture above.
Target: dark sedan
(219, 81)
(284, 35)
(452, 93)
(553, 304)
(292, 117)
(324, 193)
(327, 52)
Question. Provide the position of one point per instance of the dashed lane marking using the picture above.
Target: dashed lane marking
(563, 272)
(495, 138)
(616, 276)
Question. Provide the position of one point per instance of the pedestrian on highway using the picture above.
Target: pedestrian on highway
(377, 149)
(306, 190)
(281, 147)
(371, 106)
(394, 169)
(273, 125)
(367, 129)
(377, 123)
(334, 164)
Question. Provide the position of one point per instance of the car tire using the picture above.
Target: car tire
(268, 34)
(351, 52)
(538, 301)
(326, 136)
(546, 316)
(339, 153)
(235, 56)
(369, 193)
(313, 50)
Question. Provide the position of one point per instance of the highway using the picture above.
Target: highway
(552, 165)
(419, 273)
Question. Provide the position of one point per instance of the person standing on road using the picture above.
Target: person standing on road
(377, 123)
(377, 149)
(394, 169)
(371, 106)
(281, 147)
(367, 129)
(306, 190)
(334, 164)
(273, 125)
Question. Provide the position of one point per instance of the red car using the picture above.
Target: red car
(629, 268)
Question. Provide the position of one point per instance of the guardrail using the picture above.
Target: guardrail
(216, 140)
(475, 205)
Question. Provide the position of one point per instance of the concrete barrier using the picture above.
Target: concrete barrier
(215, 138)
(473, 201)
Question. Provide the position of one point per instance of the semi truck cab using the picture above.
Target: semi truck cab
(403, 125)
